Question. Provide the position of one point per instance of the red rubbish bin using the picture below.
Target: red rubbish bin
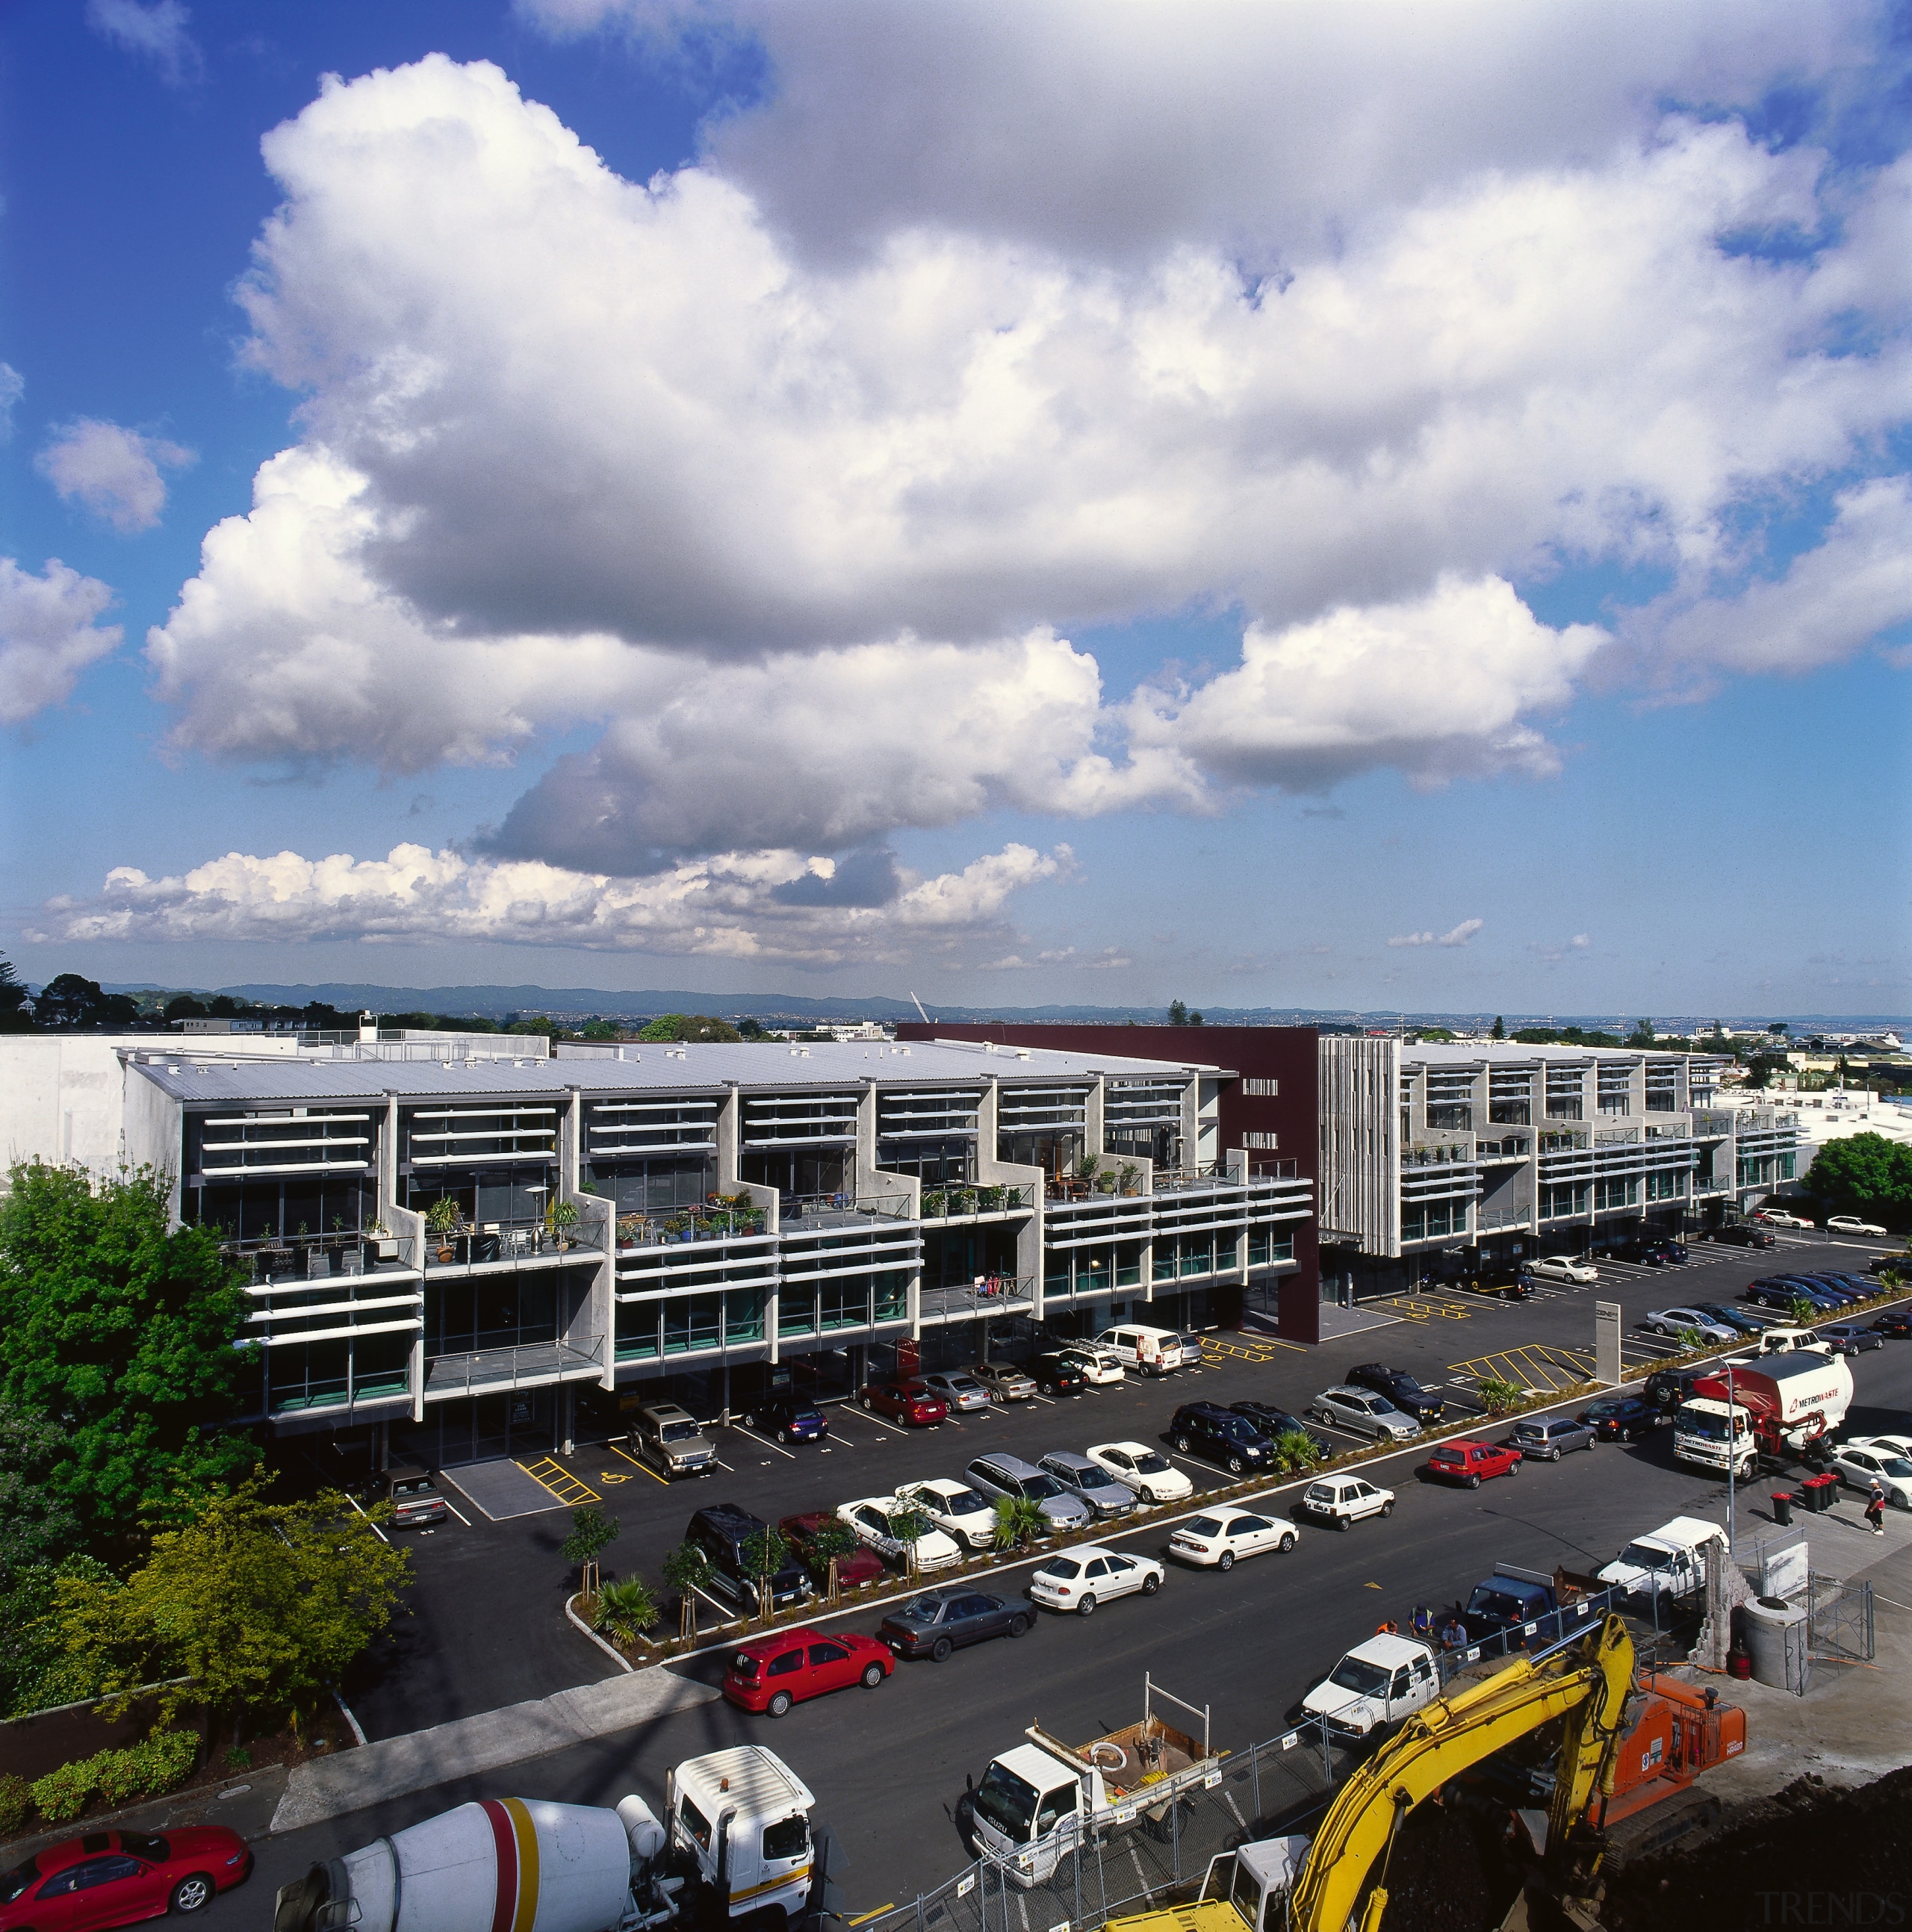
(1819, 1493)
(1782, 1508)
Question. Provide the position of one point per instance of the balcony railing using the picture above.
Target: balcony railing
(994, 1294)
(318, 1257)
(1486, 1218)
(965, 1201)
(802, 1213)
(1435, 1154)
(709, 1222)
(1108, 1182)
(1179, 1180)
(527, 1363)
(489, 1241)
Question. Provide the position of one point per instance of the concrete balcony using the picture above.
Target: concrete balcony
(527, 1365)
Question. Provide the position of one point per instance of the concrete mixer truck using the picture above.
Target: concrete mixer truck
(733, 1846)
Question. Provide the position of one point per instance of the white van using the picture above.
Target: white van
(1154, 1352)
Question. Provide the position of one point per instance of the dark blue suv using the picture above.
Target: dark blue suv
(1206, 1429)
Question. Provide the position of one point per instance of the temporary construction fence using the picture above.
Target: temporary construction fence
(1839, 1619)
(1149, 1852)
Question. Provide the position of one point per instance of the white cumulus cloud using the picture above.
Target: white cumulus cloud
(49, 633)
(12, 386)
(1458, 935)
(738, 906)
(809, 519)
(114, 472)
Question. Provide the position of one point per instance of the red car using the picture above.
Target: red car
(1470, 1462)
(904, 1402)
(113, 1878)
(858, 1565)
(774, 1672)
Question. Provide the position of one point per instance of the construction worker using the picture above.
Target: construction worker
(1387, 1627)
(1454, 1634)
(1424, 1622)
(1875, 1507)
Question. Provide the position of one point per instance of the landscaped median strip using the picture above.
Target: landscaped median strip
(394, 1766)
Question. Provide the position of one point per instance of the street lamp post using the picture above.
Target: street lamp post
(1732, 1468)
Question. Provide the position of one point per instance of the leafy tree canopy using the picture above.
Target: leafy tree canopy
(72, 1001)
(1643, 1033)
(13, 1015)
(1865, 1175)
(36, 1521)
(121, 1336)
(37, 1670)
(689, 1026)
(263, 1604)
(1499, 1028)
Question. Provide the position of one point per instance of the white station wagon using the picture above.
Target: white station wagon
(1218, 1536)
(1344, 1500)
(1850, 1224)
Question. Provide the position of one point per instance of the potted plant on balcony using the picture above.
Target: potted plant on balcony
(1126, 1179)
(627, 1231)
(564, 1218)
(335, 1247)
(674, 1229)
(988, 1199)
(1105, 1180)
(933, 1203)
(441, 1219)
(381, 1245)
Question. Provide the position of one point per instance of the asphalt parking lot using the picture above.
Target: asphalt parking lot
(484, 1625)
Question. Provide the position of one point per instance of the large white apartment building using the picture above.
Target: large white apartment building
(1424, 1147)
(451, 1241)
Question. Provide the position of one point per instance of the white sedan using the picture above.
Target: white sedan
(1099, 1367)
(1092, 1573)
(873, 1521)
(1344, 1500)
(1146, 1470)
(1563, 1267)
(1778, 1217)
(1850, 1224)
(1218, 1536)
(1893, 1445)
(956, 1509)
(1860, 1467)
(1677, 1321)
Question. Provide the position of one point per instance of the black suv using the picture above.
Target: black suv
(1666, 1389)
(1206, 1429)
(1401, 1388)
(1275, 1422)
(1744, 1234)
(721, 1532)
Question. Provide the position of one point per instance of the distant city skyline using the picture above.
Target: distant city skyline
(1353, 507)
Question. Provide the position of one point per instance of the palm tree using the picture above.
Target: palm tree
(1019, 1520)
(1294, 1448)
(626, 1610)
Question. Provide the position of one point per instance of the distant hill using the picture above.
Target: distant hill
(495, 1002)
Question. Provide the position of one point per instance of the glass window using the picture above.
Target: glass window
(788, 1838)
(827, 1653)
(691, 1323)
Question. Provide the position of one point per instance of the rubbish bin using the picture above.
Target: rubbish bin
(1782, 1508)
(1819, 1493)
(1776, 1634)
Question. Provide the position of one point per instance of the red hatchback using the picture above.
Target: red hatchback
(904, 1402)
(774, 1672)
(1470, 1462)
(114, 1878)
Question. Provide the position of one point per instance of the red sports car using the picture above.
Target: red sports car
(774, 1672)
(113, 1878)
(1470, 1462)
(904, 1402)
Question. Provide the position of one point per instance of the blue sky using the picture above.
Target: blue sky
(1297, 505)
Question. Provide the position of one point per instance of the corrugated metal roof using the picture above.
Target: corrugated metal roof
(769, 1067)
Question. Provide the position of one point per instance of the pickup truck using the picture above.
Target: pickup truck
(1038, 1801)
(1378, 1682)
(1527, 1608)
(1669, 1564)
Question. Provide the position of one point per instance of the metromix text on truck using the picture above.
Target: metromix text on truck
(1038, 1801)
(1784, 1408)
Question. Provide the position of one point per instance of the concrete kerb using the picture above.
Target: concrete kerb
(616, 1656)
(394, 1767)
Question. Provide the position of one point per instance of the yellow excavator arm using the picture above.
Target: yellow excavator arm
(1587, 1685)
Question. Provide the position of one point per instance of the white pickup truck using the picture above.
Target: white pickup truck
(1669, 1564)
(1378, 1682)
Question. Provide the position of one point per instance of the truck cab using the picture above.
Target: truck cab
(742, 1818)
(1253, 1878)
(1509, 1600)
(1670, 1562)
(1378, 1682)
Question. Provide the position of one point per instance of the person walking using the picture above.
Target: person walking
(1875, 1507)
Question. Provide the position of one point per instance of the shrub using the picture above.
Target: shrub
(1500, 1396)
(16, 1806)
(624, 1610)
(116, 1777)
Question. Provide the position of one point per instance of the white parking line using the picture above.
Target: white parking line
(376, 1531)
(870, 1415)
(457, 1512)
(756, 1437)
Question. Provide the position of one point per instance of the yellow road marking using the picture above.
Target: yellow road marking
(864, 1917)
(635, 1464)
(607, 1477)
(560, 1482)
(1419, 1308)
(1532, 1365)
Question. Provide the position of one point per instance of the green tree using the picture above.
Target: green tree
(36, 1521)
(748, 1028)
(1642, 1034)
(828, 1546)
(909, 1525)
(13, 1016)
(668, 1027)
(591, 1530)
(1019, 1520)
(1499, 1028)
(184, 1006)
(764, 1553)
(69, 1000)
(1864, 1174)
(262, 1604)
(624, 1609)
(122, 1335)
(37, 1670)
(1177, 1013)
(686, 1569)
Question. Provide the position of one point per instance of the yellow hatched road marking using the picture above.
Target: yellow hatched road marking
(636, 1465)
(560, 1482)
(1533, 1365)
(1421, 1308)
